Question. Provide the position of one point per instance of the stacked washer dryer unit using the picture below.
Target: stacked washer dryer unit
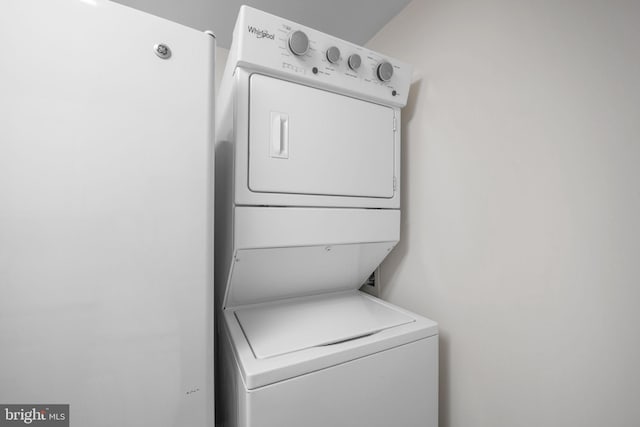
(307, 206)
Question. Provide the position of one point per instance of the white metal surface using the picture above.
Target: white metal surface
(396, 387)
(302, 224)
(257, 372)
(259, 275)
(318, 146)
(271, 227)
(260, 42)
(106, 214)
(293, 325)
(388, 378)
(261, 46)
(236, 112)
(285, 252)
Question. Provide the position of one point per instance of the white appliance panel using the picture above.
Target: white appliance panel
(292, 325)
(257, 372)
(309, 141)
(394, 387)
(269, 274)
(106, 214)
(261, 42)
(282, 252)
(232, 154)
(397, 387)
(268, 227)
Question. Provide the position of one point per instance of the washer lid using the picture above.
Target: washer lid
(288, 326)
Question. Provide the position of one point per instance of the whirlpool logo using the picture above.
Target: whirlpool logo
(261, 34)
(36, 415)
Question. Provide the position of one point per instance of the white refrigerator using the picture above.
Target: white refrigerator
(106, 214)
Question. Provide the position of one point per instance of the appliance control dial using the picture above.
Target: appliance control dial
(354, 61)
(298, 43)
(385, 71)
(333, 54)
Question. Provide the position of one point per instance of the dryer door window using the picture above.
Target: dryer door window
(309, 141)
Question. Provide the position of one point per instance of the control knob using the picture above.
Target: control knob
(333, 54)
(298, 43)
(385, 71)
(354, 61)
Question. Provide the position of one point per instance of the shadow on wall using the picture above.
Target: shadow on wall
(395, 259)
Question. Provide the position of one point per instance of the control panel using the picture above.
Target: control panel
(267, 42)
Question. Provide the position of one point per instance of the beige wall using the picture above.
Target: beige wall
(521, 222)
(197, 14)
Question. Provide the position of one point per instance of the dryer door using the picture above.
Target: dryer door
(304, 140)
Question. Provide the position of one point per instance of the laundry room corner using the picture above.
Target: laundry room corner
(292, 213)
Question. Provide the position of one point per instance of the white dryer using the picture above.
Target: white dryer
(307, 206)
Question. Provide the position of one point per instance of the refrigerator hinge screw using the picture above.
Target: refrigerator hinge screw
(162, 50)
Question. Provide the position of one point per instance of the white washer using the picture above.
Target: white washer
(307, 206)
